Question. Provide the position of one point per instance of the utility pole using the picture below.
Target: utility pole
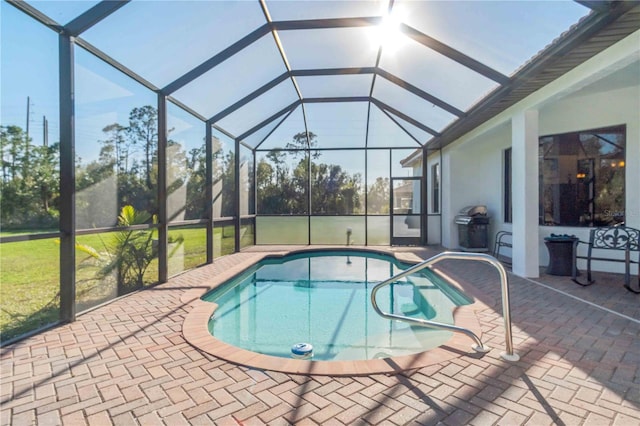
(26, 146)
(28, 106)
(45, 131)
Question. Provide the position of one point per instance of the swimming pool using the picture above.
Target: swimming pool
(323, 299)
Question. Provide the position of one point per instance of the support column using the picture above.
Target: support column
(424, 194)
(236, 195)
(163, 227)
(449, 236)
(254, 195)
(209, 189)
(524, 196)
(67, 181)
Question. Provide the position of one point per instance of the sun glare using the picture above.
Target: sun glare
(388, 34)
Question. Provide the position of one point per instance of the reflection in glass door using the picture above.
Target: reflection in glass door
(406, 218)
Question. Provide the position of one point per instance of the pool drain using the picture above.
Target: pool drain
(302, 351)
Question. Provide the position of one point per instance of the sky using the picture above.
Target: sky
(161, 40)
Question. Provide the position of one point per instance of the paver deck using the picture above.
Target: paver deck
(128, 363)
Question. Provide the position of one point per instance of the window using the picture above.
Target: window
(582, 178)
(435, 188)
(508, 207)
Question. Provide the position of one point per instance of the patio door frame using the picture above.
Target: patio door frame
(417, 217)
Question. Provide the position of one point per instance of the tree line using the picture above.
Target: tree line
(130, 155)
(30, 184)
(289, 178)
(125, 172)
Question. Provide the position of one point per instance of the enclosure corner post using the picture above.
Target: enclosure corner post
(424, 211)
(209, 189)
(67, 180)
(163, 228)
(254, 172)
(236, 195)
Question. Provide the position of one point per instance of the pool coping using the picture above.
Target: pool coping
(196, 331)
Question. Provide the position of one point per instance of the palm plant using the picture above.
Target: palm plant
(130, 253)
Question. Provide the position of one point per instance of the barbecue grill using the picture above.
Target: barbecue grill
(473, 224)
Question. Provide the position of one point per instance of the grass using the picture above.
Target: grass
(11, 232)
(30, 275)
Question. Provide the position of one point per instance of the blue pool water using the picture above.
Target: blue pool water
(323, 298)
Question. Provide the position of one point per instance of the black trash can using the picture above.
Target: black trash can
(560, 249)
(473, 229)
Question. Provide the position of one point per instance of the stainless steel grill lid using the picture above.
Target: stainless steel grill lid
(471, 215)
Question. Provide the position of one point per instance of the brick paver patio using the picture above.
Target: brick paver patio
(127, 363)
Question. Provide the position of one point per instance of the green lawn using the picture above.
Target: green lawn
(11, 232)
(29, 274)
(28, 285)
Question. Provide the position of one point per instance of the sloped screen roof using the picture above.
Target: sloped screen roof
(340, 69)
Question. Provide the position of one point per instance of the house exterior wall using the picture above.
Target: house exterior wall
(621, 106)
(472, 167)
(474, 176)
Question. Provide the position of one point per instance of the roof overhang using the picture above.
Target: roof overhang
(592, 35)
